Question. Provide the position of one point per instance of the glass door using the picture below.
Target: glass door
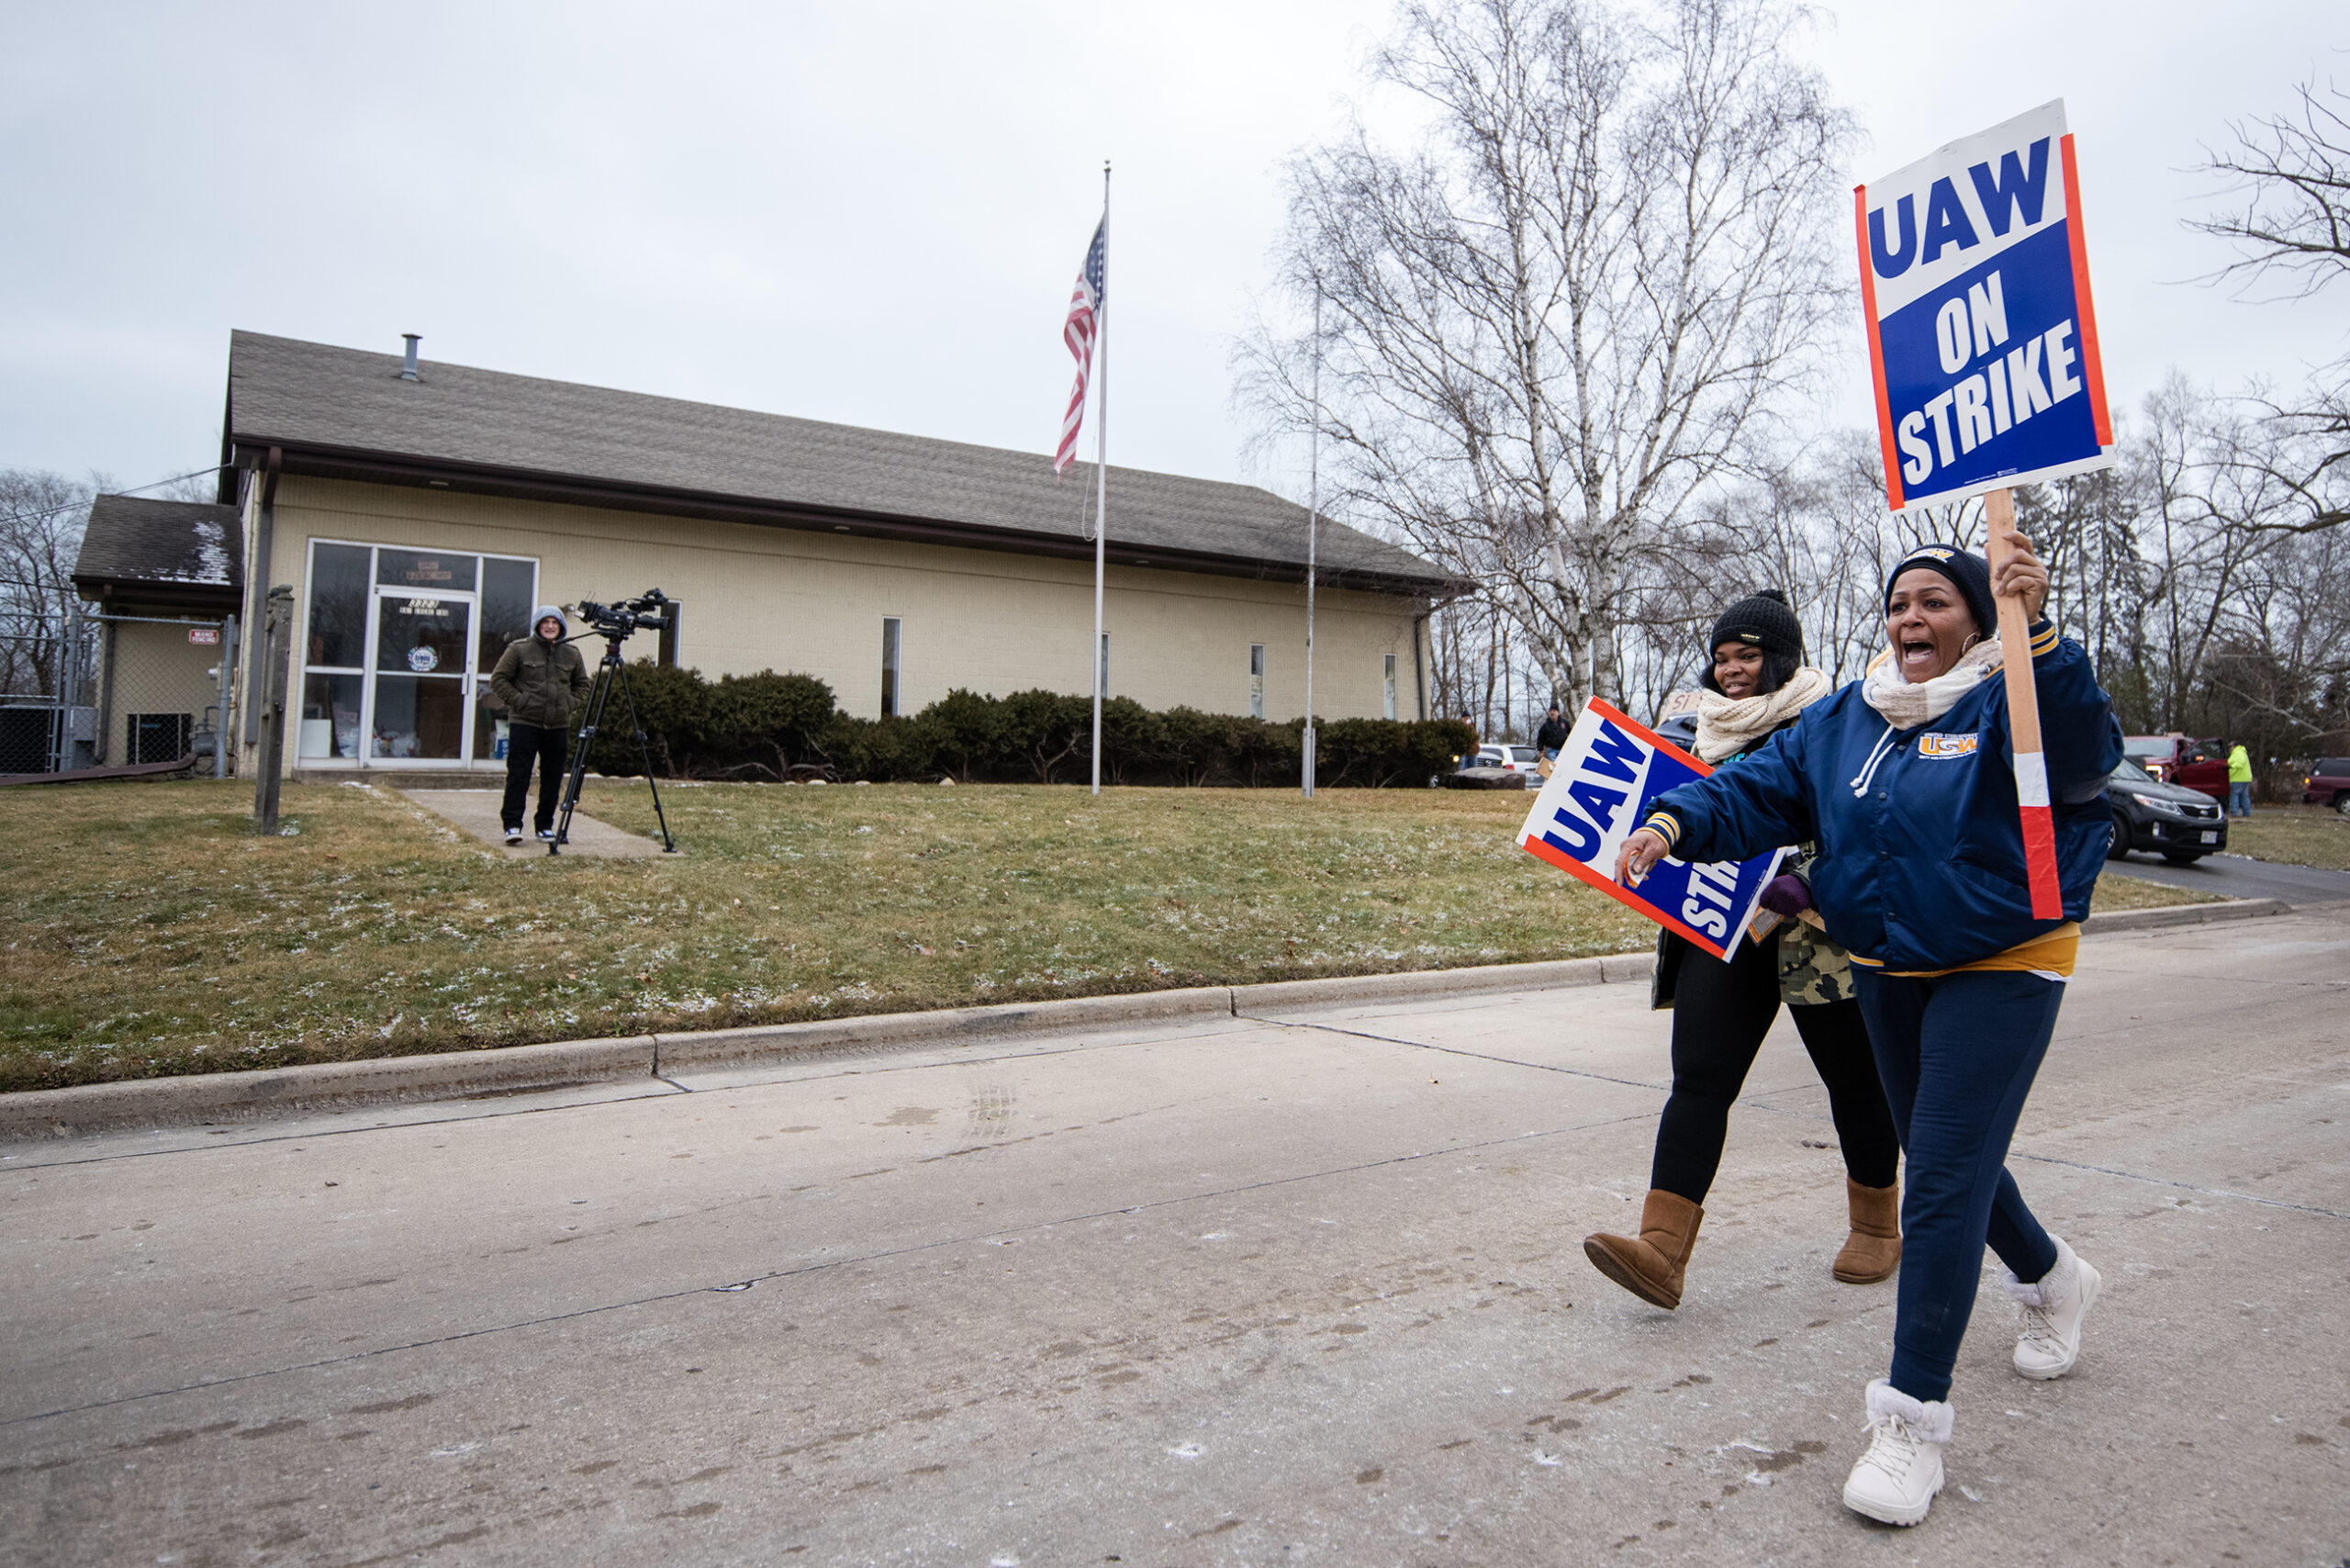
(422, 667)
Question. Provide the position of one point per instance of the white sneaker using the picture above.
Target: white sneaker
(1896, 1481)
(2054, 1307)
(513, 836)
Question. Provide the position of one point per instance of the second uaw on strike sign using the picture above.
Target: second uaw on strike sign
(1609, 771)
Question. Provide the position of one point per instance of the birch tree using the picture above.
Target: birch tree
(1558, 323)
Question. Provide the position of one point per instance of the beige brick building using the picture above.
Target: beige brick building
(419, 519)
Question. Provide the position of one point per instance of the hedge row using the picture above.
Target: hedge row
(782, 726)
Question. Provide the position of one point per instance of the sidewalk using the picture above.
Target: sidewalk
(1303, 1286)
(475, 813)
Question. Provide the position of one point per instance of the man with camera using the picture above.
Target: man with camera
(539, 682)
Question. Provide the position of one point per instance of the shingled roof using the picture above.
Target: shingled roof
(343, 413)
(183, 553)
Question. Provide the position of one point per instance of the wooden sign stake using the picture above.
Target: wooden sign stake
(2039, 825)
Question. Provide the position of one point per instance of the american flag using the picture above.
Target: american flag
(1079, 332)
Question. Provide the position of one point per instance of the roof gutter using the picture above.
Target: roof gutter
(383, 469)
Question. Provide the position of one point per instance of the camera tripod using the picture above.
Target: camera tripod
(610, 673)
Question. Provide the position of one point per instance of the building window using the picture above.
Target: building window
(398, 648)
(1256, 680)
(1389, 677)
(892, 647)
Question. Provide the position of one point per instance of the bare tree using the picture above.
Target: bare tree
(1559, 324)
(2291, 175)
(2292, 172)
(41, 518)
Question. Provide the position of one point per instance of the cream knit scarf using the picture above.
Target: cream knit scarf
(1728, 725)
(1906, 706)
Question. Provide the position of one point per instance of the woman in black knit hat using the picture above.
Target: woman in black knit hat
(1755, 685)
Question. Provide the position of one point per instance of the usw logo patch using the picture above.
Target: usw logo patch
(1946, 745)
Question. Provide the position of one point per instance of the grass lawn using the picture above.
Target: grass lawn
(2293, 835)
(149, 932)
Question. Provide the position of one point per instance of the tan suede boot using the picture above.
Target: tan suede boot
(1649, 1265)
(1873, 1250)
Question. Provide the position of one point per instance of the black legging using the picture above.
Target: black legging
(1720, 1013)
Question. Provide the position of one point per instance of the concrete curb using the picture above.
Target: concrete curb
(246, 1096)
(250, 1097)
(1419, 985)
(946, 1026)
(2182, 914)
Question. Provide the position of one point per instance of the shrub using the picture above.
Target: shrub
(771, 717)
(766, 724)
(883, 750)
(672, 706)
(1382, 753)
(1041, 731)
(969, 731)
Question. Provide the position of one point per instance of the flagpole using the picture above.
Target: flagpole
(1100, 472)
(1312, 516)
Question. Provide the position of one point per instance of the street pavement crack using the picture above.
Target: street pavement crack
(1457, 1051)
(2182, 1186)
(1761, 1103)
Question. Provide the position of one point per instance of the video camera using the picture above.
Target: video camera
(647, 612)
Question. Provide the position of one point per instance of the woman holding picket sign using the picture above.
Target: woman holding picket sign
(1755, 685)
(1906, 782)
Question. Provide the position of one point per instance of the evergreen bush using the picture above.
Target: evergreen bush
(770, 725)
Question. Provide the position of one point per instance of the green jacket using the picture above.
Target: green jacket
(2239, 767)
(539, 682)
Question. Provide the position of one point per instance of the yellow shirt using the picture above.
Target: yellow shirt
(2050, 954)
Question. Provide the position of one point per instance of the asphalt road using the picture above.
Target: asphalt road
(2238, 876)
(1300, 1290)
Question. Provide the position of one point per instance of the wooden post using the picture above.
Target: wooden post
(2038, 823)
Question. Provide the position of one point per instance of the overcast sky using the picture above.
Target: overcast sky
(873, 214)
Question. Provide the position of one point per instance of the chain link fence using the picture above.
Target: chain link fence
(81, 691)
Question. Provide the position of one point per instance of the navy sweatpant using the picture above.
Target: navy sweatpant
(1957, 1055)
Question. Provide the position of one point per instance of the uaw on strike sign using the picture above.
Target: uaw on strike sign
(1975, 278)
(1608, 772)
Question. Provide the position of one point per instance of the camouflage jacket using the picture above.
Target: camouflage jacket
(1813, 970)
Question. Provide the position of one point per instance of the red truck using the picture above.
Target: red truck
(2200, 765)
(2328, 784)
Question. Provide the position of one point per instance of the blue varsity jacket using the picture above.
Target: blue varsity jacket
(1920, 856)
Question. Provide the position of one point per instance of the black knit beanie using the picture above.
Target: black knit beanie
(1762, 620)
(1966, 573)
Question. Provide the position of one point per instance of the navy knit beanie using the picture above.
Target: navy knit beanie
(1762, 619)
(1964, 571)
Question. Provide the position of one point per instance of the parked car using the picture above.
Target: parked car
(2179, 823)
(2328, 784)
(2200, 764)
(1497, 767)
(1517, 758)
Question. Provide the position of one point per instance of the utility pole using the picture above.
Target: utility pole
(1313, 517)
(278, 636)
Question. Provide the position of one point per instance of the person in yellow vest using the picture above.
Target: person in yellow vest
(2239, 781)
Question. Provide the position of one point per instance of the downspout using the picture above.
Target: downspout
(257, 574)
(1419, 659)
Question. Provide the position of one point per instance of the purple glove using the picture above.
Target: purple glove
(1787, 895)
